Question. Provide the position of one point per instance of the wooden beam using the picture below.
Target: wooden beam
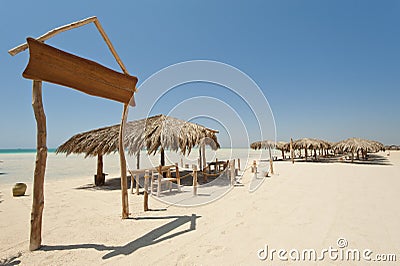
(124, 185)
(52, 33)
(71, 26)
(40, 167)
(110, 46)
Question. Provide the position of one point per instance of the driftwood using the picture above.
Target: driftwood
(40, 167)
(124, 185)
(71, 26)
(56, 66)
(47, 63)
(52, 33)
(146, 191)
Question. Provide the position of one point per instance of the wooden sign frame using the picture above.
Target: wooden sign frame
(114, 86)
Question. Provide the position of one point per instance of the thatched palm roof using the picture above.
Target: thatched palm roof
(150, 133)
(308, 143)
(263, 144)
(358, 144)
(266, 144)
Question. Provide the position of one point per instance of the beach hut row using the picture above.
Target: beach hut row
(350, 146)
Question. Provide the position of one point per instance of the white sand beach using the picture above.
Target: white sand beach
(308, 205)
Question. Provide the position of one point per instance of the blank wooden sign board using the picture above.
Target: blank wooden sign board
(50, 64)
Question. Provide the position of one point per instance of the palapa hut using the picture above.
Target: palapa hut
(358, 145)
(268, 144)
(309, 143)
(155, 133)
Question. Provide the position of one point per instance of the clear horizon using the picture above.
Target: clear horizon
(329, 70)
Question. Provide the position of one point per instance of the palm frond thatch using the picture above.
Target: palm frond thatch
(357, 145)
(151, 133)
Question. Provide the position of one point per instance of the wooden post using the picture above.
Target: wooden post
(254, 169)
(146, 189)
(238, 160)
(40, 167)
(137, 184)
(232, 172)
(133, 178)
(291, 150)
(138, 160)
(194, 179)
(162, 161)
(200, 160)
(151, 182)
(178, 177)
(305, 150)
(271, 163)
(100, 178)
(159, 182)
(124, 185)
(181, 162)
(203, 154)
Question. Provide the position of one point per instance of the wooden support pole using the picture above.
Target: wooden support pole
(133, 178)
(200, 160)
(137, 184)
(40, 167)
(159, 178)
(271, 163)
(238, 160)
(203, 156)
(100, 177)
(194, 179)
(254, 167)
(146, 189)
(305, 151)
(291, 150)
(138, 160)
(232, 172)
(178, 177)
(124, 185)
(151, 182)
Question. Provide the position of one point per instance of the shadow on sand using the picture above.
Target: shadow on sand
(153, 237)
(11, 260)
(114, 183)
(373, 159)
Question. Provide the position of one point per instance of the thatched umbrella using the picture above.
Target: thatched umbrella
(267, 144)
(308, 143)
(158, 132)
(283, 147)
(356, 145)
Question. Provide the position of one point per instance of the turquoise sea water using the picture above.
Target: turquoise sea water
(16, 151)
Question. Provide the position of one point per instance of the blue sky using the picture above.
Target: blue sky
(329, 69)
